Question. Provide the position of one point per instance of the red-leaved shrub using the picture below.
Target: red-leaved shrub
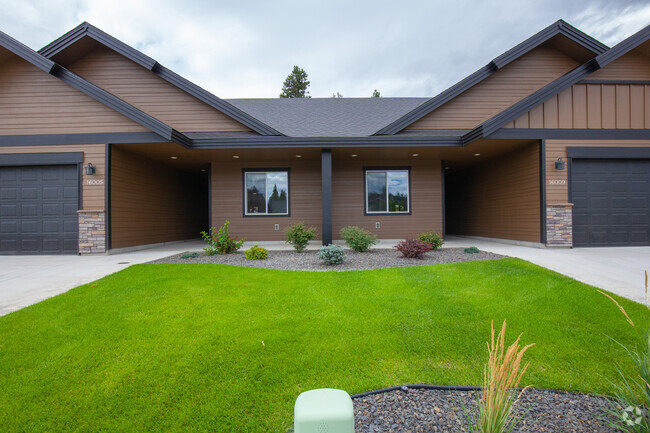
(413, 248)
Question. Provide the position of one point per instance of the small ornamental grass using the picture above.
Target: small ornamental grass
(358, 239)
(413, 248)
(501, 376)
(256, 253)
(432, 238)
(220, 241)
(332, 254)
(299, 235)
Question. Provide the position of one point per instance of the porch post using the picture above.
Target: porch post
(326, 195)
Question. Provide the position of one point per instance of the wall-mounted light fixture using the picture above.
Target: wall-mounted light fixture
(90, 169)
(560, 164)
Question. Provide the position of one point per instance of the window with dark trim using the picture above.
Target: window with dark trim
(266, 192)
(387, 191)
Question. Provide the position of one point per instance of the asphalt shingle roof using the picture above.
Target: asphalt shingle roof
(327, 117)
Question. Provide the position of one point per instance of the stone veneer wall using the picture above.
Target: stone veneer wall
(92, 231)
(559, 225)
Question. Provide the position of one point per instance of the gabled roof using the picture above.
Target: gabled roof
(95, 92)
(85, 29)
(513, 112)
(327, 117)
(558, 28)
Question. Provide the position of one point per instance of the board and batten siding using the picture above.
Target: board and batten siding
(557, 183)
(499, 91)
(348, 200)
(151, 94)
(92, 196)
(228, 199)
(499, 198)
(34, 102)
(592, 106)
(152, 202)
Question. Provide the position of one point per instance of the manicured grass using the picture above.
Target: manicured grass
(179, 347)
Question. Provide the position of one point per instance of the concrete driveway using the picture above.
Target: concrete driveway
(619, 270)
(26, 280)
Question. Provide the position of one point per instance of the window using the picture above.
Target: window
(266, 192)
(387, 191)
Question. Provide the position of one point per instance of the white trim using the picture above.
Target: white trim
(408, 192)
(266, 203)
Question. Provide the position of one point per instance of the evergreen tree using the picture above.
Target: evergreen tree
(296, 84)
(376, 94)
(337, 95)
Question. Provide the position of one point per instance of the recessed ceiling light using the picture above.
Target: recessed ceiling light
(416, 154)
(354, 155)
(203, 169)
(174, 157)
(236, 156)
(298, 156)
(446, 168)
(477, 154)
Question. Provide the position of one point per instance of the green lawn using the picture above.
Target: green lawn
(179, 347)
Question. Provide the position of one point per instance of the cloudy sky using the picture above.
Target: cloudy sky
(245, 48)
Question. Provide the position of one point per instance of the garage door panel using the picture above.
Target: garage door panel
(611, 201)
(38, 206)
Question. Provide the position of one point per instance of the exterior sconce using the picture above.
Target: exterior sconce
(90, 169)
(560, 164)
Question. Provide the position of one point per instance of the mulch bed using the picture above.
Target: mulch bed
(307, 260)
(425, 410)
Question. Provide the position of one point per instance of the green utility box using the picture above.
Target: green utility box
(323, 411)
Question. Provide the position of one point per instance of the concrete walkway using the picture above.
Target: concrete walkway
(26, 280)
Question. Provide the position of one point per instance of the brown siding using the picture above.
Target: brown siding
(228, 202)
(499, 198)
(593, 106)
(499, 91)
(426, 199)
(152, 202)
(150, 93)
(557, 184)
(33, 102)
(92, 195)
(632, 66)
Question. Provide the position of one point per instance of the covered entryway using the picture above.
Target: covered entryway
(39, 199)
(611, 199)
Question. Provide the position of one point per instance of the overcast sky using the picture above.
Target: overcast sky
(245, 49)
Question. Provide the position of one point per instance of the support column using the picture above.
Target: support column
(326, 195)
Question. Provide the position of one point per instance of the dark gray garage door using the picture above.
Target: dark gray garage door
(38, 209)
(611, 202)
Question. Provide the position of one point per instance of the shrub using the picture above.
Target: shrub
(332, 254)
(220, 242)
(501, 376)
(256, 253)
(472, 250)
(299, 236)
(432, 238)
(358, 239)
(189, 255)
(413, 248)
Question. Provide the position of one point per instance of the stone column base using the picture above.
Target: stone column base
(92, 231)
(559, 225)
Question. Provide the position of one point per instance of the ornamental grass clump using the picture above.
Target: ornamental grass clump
(501, 376)
(358, 239)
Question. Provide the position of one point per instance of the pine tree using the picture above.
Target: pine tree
(296, 84)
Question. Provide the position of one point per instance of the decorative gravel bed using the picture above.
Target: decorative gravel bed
(307, 260)
(425, 410)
